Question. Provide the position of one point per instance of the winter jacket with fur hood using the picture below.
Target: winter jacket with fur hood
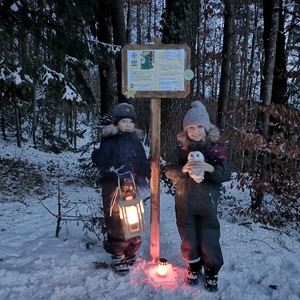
(121, 151)
(213, 152)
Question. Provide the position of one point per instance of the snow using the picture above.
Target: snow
(70, 93)
(14, 7)
(15, 76)
(261, 262)
(50, 74)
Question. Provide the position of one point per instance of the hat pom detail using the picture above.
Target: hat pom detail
(196, 104)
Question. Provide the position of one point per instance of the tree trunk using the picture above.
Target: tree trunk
(36, 49)
(18, 125)
(271, 22)
(3, 126)
(139, 29)
(226, 65)
(181, 29)
(251, 72)
(244, 66)
(75, 120)
(128, 23)
(106, 66)
(200, 55)
(34, 111)
(279, 95)
(232, 94)
(118, 25)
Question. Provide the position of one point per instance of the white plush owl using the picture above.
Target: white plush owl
(196, 166)
(196, 173)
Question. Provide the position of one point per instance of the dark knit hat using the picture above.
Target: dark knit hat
(122, 111)
(197, 115)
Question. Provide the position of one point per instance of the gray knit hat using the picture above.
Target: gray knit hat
(122, 111)
(197, 115)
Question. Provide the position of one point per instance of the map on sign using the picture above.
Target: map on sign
(156, 70)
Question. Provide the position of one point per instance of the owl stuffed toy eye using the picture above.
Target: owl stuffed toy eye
(195, 156)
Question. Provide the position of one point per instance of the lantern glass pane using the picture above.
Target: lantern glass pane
(132, 215)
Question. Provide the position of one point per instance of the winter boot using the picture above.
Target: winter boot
(131, 260)
(193, 274)
(211, 280)
(120, 265)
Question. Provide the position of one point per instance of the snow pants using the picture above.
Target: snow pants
(199, 229)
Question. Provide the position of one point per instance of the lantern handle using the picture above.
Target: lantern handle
(113, 201)
(131, 182)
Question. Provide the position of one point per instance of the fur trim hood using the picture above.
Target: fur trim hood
(111, 130)
(213, 135)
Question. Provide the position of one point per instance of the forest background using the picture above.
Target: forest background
(60, 68)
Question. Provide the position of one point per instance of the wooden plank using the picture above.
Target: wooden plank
(155, 179)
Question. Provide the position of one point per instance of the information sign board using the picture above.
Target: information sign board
(156, 71)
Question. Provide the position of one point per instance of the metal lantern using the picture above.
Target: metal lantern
(131, 207)
(162, 268)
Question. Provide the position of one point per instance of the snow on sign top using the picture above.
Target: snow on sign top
(156, 71)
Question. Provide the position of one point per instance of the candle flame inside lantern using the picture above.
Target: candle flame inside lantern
(132, 215)
(162, 267)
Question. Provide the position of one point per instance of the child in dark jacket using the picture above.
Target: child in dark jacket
(120, 150)
(198, 169)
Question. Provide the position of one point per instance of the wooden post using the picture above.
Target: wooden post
(155, 180)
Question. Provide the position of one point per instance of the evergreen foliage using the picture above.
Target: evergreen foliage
(55, 55)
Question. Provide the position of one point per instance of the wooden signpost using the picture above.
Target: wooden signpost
(155, 72)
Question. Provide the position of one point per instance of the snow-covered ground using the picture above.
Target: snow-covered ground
(260, 262)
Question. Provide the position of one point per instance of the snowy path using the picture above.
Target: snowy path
(259, 264)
